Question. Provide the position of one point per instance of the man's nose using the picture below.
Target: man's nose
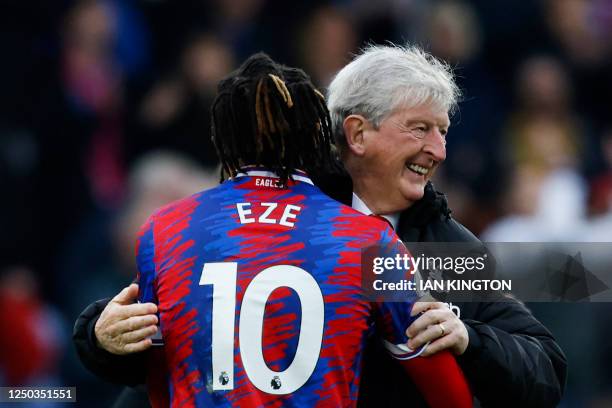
(435, 145)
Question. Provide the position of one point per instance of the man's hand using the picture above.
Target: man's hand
(439, 325)
(124, 327)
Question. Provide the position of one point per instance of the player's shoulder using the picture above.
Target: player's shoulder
(368, 221)
(359, 220)
(360, 225)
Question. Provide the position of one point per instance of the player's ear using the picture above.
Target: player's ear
(354, 126)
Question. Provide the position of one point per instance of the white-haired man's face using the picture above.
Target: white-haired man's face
(392, 164)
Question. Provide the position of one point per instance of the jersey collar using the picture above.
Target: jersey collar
(297, 175)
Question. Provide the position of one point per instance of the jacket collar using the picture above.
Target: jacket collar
(433, 204)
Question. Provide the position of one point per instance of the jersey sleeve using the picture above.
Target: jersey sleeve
(145, 263)
(438, 377)
(392, 314)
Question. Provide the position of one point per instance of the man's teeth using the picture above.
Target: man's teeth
(418, 169)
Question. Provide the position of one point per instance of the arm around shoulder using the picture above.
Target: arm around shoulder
(119, 369)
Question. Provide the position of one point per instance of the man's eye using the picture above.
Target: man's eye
(419, 130)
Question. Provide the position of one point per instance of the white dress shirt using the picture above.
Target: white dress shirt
(360, 206)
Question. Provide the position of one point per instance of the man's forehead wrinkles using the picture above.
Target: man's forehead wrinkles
(430, 119)
(421, 112)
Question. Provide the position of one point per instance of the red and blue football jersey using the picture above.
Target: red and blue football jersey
(259, 289)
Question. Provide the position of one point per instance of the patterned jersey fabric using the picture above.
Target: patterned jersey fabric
(260, 297)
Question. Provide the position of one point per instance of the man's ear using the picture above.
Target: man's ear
(354, 126)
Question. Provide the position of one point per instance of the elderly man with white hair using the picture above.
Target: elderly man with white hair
(390, 112)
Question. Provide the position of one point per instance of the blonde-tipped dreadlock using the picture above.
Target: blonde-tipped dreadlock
(271, 115)
(282, 89)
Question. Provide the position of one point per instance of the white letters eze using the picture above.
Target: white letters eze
(270, 213)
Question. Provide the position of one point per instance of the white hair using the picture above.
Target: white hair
(384, 78)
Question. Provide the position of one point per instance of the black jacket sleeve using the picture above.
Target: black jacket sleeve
(512, 359)
(125, 369)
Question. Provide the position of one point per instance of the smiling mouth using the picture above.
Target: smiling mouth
(420, 170)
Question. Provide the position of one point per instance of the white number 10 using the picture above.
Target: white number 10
(222, 275)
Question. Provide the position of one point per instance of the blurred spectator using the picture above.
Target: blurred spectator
(95, 62)
(544, 131)
(546, 199)
(544, 143)
(543, 88)
(453, 31)
(205, 62)
(92, 78)
(99, 257)
(31, 343)
(237, 13)
(328, 40)
(174, 113)
(581, 30)
(80, 130)
(155, 180)
(249, 26)
(543, 208)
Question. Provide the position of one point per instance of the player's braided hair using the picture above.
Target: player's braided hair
(271, 115)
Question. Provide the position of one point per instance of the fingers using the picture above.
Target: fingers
(124, 326)
(129, 335)
(426, 328)
(429, 334)
(140, 334)
(131, 324)
(420, 307)
(427, 319)
(127, 295)
(138, 347)
(137, 309)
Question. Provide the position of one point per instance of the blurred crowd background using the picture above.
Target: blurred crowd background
(104, 116)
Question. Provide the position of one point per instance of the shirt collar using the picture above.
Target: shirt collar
(297, 175)
(360, 206)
